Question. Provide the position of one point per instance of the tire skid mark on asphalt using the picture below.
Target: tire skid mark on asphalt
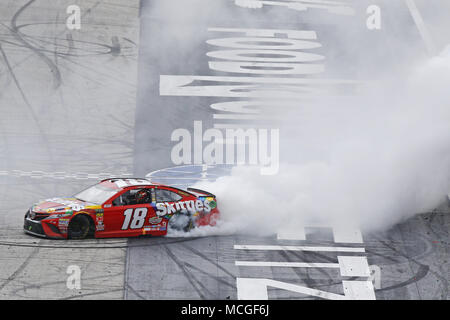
(101, 246)
(410, 259)
(20, 271)
(28, 285)
(28, 42)
(372, 253)
(90, 294)
(20, 268)
(421, 274)
(188, 276)
(331, 279)
(380, 243)
(309, 280)
(51, 283)
(17, 34)
(54, 70)
(442, 233)
(4, 187)
(315, 283)
(18, 86)
(201, 255)
(231, 285)
(134, 291)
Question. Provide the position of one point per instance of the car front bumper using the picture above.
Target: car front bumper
(33, 227)
(41, 228)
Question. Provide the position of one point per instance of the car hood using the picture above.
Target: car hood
(58, 205)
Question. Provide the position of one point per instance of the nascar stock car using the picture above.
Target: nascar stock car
(122, 207)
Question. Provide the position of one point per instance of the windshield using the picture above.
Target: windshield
(97, 194)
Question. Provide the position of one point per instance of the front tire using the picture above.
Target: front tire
(79, 227)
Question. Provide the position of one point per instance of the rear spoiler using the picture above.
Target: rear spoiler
(208, 194)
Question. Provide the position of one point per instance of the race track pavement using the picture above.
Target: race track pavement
(409, 261)
(67, 100)
(68, 104)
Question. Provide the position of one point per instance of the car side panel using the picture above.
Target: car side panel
(131, 220)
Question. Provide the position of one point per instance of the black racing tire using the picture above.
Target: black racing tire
(189, 226)
(79, 227)
(181, 222)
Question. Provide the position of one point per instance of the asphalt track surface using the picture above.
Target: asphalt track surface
(63, 128)
(68, 99)
(409, 259)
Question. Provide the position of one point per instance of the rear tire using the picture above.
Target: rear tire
(79, 227)
(181, 222)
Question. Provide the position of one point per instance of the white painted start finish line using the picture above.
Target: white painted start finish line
(298, 248)
(348, 266)
(256, 289)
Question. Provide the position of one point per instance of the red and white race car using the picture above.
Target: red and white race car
(122, 207)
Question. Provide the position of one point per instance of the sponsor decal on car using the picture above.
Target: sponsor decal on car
(63, 225)
(155, 220)
(100, 226)
(99, 222)
(167, 208)
(162, 226)
(63, 222)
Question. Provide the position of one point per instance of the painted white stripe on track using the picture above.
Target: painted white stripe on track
(298, 248)
(286, 264)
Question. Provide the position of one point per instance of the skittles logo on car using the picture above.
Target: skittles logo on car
(205, 204)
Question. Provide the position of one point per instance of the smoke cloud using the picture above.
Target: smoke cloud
(372, 161)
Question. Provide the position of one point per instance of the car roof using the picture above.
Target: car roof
(122, 183)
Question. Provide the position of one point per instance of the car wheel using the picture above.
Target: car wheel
(181, 222)
(79, 227)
